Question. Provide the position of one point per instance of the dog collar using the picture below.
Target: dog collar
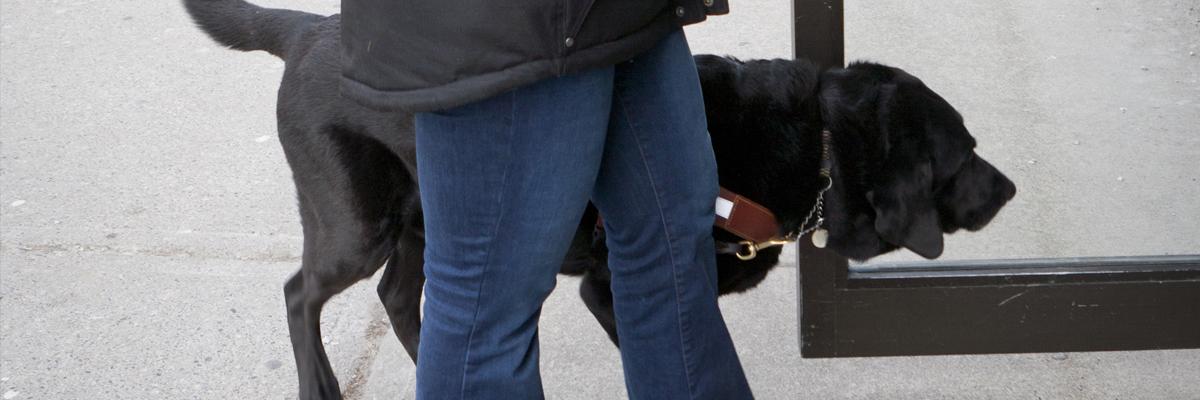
(758, 226)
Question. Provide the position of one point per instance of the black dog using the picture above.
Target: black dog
(903, 169)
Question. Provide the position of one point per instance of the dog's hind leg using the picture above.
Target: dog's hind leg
(400, 289)
(333, 260)
(350, 190)
(597, 295)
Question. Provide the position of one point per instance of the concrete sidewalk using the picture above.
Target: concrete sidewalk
(148, 221)
(141, 325)
(84, 321)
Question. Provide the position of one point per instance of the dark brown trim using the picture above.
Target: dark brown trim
(818, 32)
(1007, 306)
(1024, 271)
(819, 270)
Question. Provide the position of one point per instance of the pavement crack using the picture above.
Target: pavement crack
(361, 371)
(157, 251)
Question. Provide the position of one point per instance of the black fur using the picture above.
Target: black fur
(247, 27)
(904, 171)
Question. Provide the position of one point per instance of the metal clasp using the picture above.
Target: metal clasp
(750, 249)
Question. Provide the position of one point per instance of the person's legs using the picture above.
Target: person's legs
(656, 190)
(504, 182)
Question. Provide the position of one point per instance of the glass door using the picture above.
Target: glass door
(1093, 109)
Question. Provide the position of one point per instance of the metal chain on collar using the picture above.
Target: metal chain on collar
(817, 211)
(748, 250)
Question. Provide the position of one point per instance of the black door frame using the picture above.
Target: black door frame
(977, 307)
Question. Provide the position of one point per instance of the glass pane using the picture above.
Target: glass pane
(1092, 108)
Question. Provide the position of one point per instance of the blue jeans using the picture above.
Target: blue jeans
(504, 183)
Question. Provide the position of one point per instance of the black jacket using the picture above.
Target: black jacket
(422, 55)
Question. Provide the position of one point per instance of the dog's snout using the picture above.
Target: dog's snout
(1010, 189)
(1003, 188)
(975, 196)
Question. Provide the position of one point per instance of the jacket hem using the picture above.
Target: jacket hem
(479, 87)
(450, 95)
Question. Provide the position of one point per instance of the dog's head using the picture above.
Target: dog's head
(905, 169)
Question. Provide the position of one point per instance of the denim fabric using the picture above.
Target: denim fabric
(504, 182)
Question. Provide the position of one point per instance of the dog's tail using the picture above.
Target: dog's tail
(247, 27)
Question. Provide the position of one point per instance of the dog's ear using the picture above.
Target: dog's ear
(904, 209)
(902, 192)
